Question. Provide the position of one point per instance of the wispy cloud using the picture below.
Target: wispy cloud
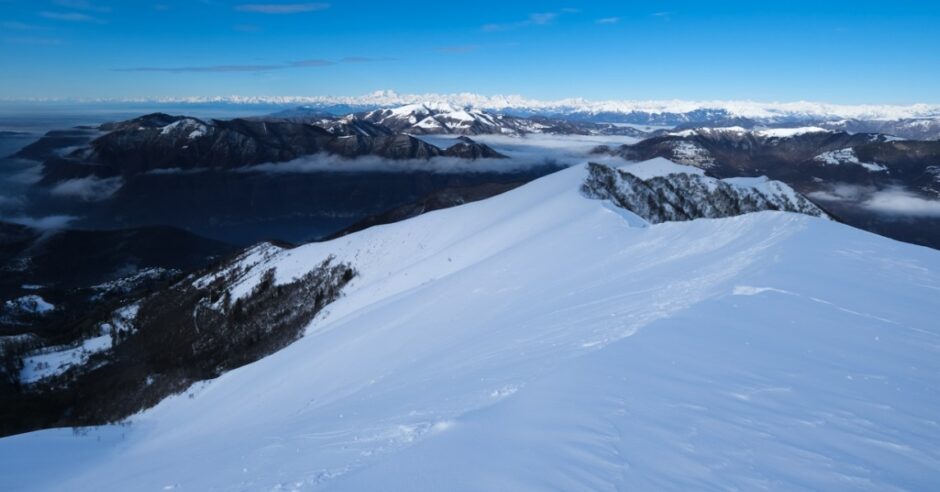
(465, 48)
(313, 62)
(309, 63)
(247, 28)
(38, 41)
(208, 68)
(17, 26)
(82, 5)
(607, 20)
(662, 15)
(534, 19)
(281, 8)
(364, 59)
(70, 17)
(43, 223)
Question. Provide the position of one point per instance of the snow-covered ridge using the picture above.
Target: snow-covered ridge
(747, 109)
(541, 340)
(740, 131)
(443, 118)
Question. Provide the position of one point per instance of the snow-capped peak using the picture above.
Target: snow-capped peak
(440, 117)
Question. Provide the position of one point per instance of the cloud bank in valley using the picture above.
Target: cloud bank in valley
(90, 189)
(890, 201)
(901, 202)
(522, 152)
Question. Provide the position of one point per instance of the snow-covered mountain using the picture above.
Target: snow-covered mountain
(161, 142)
(550, 339)
(437, 118)
(445, 119)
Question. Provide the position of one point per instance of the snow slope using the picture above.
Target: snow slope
(543, 340)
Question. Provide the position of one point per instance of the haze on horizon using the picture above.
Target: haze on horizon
(837, 52)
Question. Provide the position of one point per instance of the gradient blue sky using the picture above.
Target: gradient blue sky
(839, 51)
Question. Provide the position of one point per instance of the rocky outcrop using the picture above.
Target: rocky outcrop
(688, 196)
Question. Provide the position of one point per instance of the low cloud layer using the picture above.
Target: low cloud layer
(901, 202)
(443, 165)
(891, 201)
(523, 152)
(90, 189)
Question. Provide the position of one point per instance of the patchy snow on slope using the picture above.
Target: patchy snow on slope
(692, 154)
(540, 340)
(58, 360)
(195, 128)
(29, 304)
(789, 132)
(847, 156)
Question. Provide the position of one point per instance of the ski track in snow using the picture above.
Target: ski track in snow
(542, 340)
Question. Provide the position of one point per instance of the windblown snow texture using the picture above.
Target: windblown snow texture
(541, 340)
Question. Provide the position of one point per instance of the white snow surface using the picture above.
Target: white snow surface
(789, 132)
(540, 340)
(741, 131)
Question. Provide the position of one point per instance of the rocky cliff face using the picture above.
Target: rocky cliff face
(681, 196)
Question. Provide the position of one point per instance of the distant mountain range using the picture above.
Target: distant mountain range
(909, 121)
(446, 119)
(474, 114)
(845, 171)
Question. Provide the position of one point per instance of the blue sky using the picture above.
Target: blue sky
(841, 51)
